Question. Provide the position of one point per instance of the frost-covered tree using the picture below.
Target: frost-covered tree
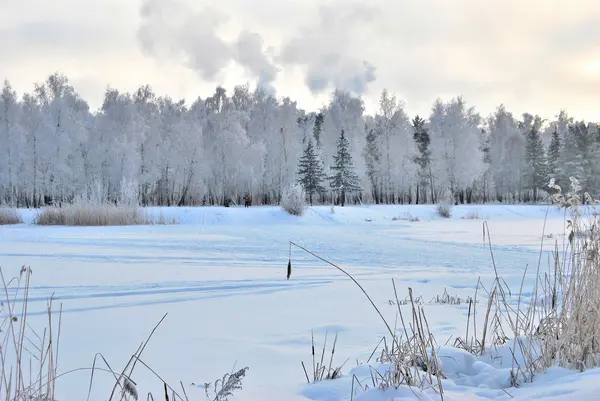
(395, 141)
(11, 152)
(220, 148)
(63, 130)
(455, 132)
(310, 172)
(423, 159)
(486, 179)
(507, 154)
(343, 179)
(372, 156)
(31, 119)
(385, 127)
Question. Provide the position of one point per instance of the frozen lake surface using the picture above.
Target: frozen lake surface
(221, 277)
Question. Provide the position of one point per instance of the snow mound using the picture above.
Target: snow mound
(468, 377)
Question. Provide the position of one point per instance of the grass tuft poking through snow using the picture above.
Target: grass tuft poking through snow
(406, 217)
(9, 216)
(472, 215)
(225, 387)
(98, 215)
(322, 371)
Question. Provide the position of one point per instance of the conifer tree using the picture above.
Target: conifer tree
(535, 158)
(553, 156)
(310, 172)
(344, 178)
(579, 157)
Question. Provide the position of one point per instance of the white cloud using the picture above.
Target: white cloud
(531, 56)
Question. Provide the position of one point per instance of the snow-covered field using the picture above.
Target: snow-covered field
(221, 276)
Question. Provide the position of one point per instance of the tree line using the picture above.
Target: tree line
(216, 150)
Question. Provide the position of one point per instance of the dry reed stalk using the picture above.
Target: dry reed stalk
(15, 383)
(10, 216)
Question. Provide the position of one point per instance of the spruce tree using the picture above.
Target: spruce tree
(571, 158)
(344, 178)
(553, 156)
(310, 172)
(423, 158)
(372, 156)
(579, 156)
(535, 158)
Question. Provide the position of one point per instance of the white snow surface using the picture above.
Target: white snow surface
(221, 276)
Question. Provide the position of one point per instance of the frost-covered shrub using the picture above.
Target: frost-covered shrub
(9, 216)
(444, 207)
(444, 210)
(293, 200)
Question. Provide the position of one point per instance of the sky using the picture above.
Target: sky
(536, 56)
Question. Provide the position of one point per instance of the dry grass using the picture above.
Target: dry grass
(163, 220)
(224, 388)
(472, 215)
(29, 358)
(321, 370)
(569, 320)
(10, 216)
(98, 215)
(444, 298)
(406, 217)
(559, 324)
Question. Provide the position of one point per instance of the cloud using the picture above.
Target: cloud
(42, 38)
(248, 51)
(331, 70)
(417, 50)
(324, 49)
(174, 29)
